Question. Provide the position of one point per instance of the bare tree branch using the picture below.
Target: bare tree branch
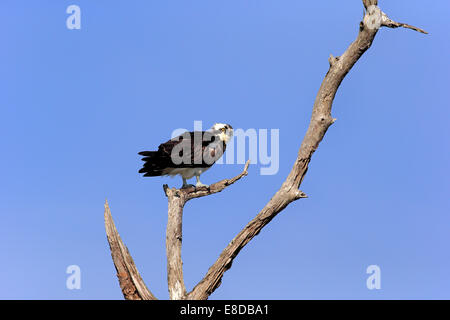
(175, 280)
(387, 22)
(177, 198)
(321, 120)
(131, 283)
(374, 12)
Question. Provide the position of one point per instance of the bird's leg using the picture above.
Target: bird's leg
(185, 184)
(199, 184)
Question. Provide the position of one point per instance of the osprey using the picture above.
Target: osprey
(188, 155)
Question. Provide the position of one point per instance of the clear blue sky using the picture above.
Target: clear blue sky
(77, 105)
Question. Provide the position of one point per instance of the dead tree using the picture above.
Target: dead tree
(131, 283)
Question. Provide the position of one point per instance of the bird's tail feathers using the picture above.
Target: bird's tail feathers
(153, 165)
(148, 153)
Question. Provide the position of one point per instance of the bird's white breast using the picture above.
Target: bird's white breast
(186, 173)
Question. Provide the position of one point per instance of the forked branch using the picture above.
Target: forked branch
(177, 198)
(321, 119)
(131, 283)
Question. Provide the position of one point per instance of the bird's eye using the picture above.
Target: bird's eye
(222, 129)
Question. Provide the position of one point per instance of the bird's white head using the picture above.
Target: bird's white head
(224, 131)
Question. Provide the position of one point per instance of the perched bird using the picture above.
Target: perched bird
(190, 154)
